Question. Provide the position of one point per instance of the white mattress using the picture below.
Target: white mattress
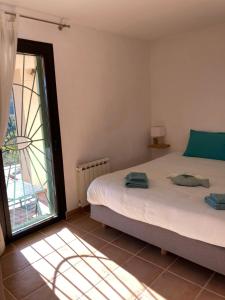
(176, 208)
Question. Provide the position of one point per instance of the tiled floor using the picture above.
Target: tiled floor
(79, 259)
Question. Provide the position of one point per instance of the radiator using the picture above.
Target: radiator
(86, 173)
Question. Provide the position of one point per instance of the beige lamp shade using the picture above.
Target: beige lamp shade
(158, 131)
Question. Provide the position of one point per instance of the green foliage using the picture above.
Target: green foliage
(10, 152)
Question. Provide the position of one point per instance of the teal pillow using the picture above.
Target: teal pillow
(206, 145)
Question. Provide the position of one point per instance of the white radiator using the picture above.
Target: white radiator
(88, 172)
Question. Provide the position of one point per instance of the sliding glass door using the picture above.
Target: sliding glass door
(32, 145)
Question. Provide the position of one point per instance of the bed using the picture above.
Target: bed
(171, 217)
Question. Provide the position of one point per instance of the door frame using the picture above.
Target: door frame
(46, 51)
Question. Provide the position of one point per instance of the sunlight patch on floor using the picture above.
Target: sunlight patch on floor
(73, 268)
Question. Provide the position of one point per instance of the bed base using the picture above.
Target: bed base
(207, 255)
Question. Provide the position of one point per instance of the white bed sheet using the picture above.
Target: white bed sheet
(176, 208)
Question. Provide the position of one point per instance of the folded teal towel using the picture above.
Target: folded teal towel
(137, 180)
(218, 198)
(213, 204)
(137, 177)
(136, 185)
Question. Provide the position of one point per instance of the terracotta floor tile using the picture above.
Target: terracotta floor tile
(76, 216)
(69, 255)
(43, 293)
(72, 284)
(28, 240)
(126, 283)
(113, 290)
(47, 270)
(76, 230)
(70, 232)
(66, 231)
(191, 271)
(9, 248)
(61, 289)
(23, 283)
(54, 228)
(57, 261)
(172, 287)
(102, 265)
(115, 254)
(8, 296)
(82, 247)
(217, 284)
(86, 223)
(60, 238)
(79, 249)
(120, 284)
(109, 234)
(144, 271)
(12, 263)
(94, 241)
(42, 247)
(93, 294)
(129, 243)
(55, 241)
(153, 254)
(30, 254)
(150, 294)
(206, 295)
(88, 272)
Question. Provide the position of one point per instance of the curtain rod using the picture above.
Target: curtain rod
(60, 25)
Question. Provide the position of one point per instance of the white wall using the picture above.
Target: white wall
(188, 83)
(103, 96)
(105, 88)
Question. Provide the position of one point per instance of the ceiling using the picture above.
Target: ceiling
(147, 19)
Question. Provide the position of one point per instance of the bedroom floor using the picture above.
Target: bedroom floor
(79, 259)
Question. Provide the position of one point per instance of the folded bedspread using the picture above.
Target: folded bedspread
(176, 208)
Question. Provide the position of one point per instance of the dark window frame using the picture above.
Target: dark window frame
(46, 51)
